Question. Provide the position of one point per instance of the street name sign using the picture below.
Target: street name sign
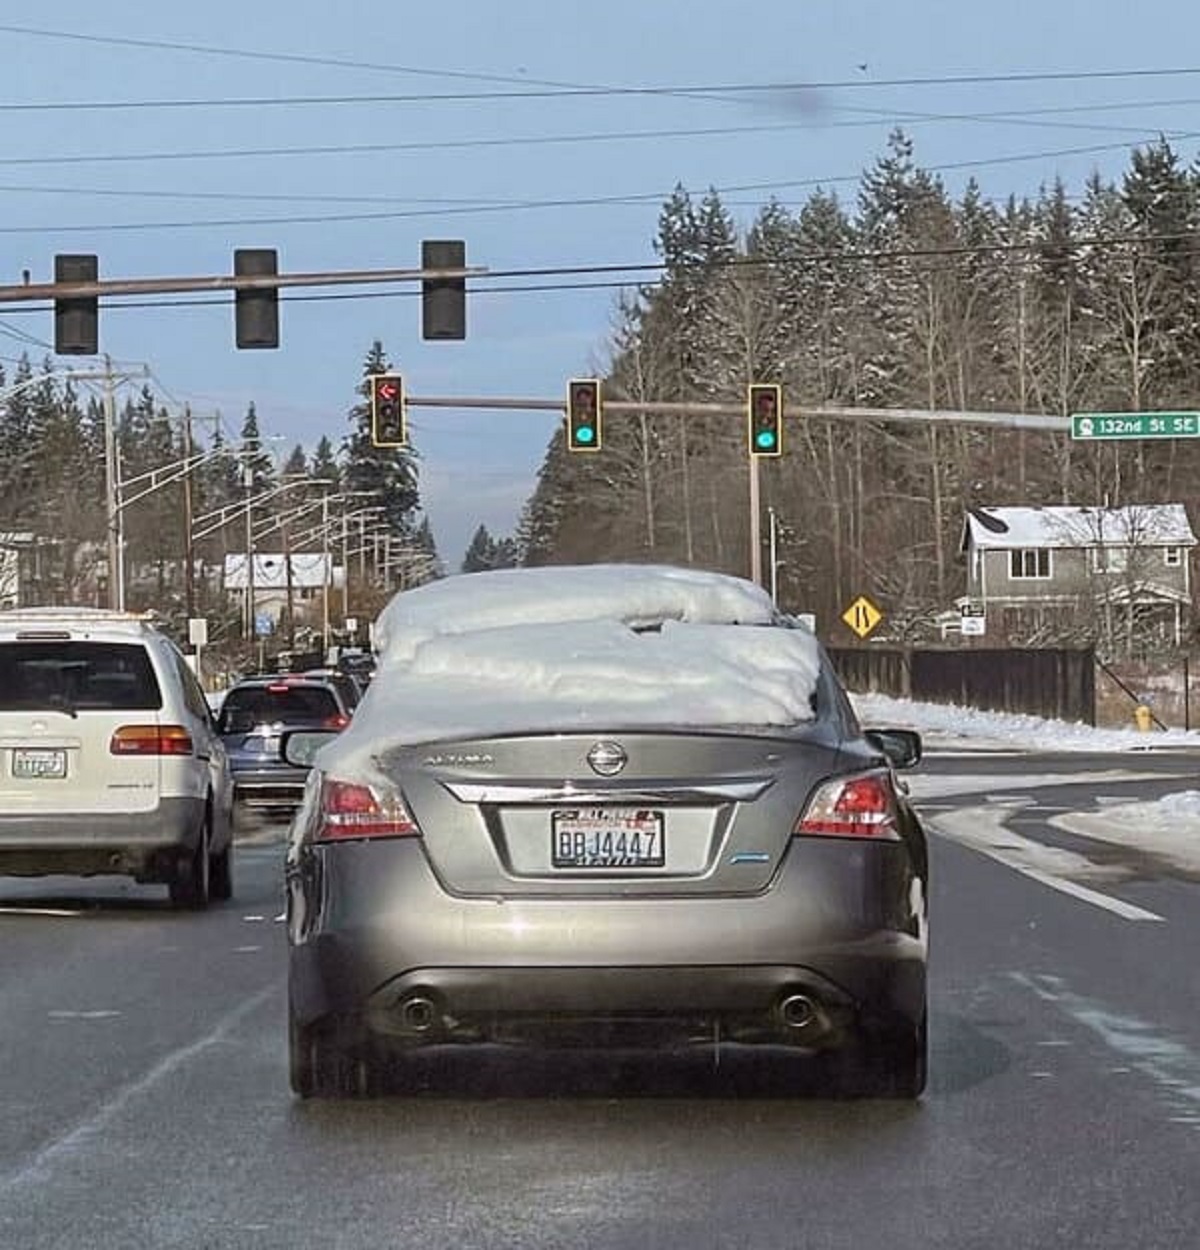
(1095, 425)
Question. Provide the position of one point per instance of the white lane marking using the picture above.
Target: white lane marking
(245, 950)
(1171, 1065)
(32, 909)
(983, 830)
(38, 1169)
(253, 919)
(82, 1015)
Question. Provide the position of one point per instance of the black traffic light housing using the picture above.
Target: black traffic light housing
(764, 412)
(388, 425)
(584, 415)
(256, 311)
(443, 300)
(76, 321)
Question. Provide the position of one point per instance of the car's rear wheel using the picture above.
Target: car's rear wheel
(190, 886)
(891, 1062)
(319, 1067)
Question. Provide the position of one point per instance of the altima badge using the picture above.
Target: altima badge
(607, 758)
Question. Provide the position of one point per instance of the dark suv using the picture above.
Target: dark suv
(255, 712)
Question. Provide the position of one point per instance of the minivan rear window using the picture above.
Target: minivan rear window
(77, 677)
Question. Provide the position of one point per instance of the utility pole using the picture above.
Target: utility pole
(112, 512)
(248, 483)
(189, 548)
(755, 525)
(774, 541)
(326, 574)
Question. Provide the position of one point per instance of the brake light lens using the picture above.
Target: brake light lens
(151, 740)
(350, 810)
(339, 721)
(863, 806)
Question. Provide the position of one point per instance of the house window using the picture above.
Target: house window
(1172, 557)
(1029, 563)
(1110, 559)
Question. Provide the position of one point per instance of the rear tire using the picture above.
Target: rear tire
(885, 1063)
(190, 887)
(320, 1068)
(220, 874)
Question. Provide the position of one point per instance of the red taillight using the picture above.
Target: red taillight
(340, 721)
(350, 810)
(151, 740)
(852, 807)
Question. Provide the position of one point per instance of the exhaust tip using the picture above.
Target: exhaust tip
(418, 1014)
(797, 1011)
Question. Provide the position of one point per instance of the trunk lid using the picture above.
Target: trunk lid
(626, 814)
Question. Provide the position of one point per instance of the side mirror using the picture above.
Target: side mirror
(901, 746)
(300, 746)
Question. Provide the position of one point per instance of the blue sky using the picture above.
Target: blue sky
(146, 217)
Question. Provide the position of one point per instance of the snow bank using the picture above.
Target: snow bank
(569, 649)
(972, 729)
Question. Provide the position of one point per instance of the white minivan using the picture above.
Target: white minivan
(109, 758)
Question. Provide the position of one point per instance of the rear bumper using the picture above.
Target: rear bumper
(391, 954)
(269, 787)
(145, 845)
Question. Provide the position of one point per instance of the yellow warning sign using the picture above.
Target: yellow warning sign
(862, 616)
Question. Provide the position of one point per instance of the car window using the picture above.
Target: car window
(79, 675)
(193, 695)
(247, 706)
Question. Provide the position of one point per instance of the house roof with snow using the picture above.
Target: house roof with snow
(1135, 525)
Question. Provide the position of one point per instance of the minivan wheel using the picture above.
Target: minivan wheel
(220, 874)
(191, 884)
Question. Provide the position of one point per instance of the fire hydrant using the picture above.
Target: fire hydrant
(1143, 717)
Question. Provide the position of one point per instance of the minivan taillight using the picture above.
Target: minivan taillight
(862, 806)
(350, 810)
(151, 740)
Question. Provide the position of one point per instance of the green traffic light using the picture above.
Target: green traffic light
(584, 434)
(765, 439)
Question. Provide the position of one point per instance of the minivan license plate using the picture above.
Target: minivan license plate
(607, 838)
(38, 762)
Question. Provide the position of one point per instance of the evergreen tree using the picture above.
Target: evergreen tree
(389, 474)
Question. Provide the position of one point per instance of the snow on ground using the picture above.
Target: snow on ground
(949, 726)
(1168, 827)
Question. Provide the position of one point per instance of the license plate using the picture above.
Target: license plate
(607, 838)
(38, 762)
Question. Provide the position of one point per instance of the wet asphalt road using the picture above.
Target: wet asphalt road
(144, 1101)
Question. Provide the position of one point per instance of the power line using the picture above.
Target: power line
(632, 199)
(1031, 117)
(749, 90)
(1025, 251)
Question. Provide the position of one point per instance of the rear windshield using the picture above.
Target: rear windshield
(77, 676)
(268, 705)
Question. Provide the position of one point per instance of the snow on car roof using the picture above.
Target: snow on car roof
(606, 647)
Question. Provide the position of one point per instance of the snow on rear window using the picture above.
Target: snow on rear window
(597, 649)
(637, 594)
